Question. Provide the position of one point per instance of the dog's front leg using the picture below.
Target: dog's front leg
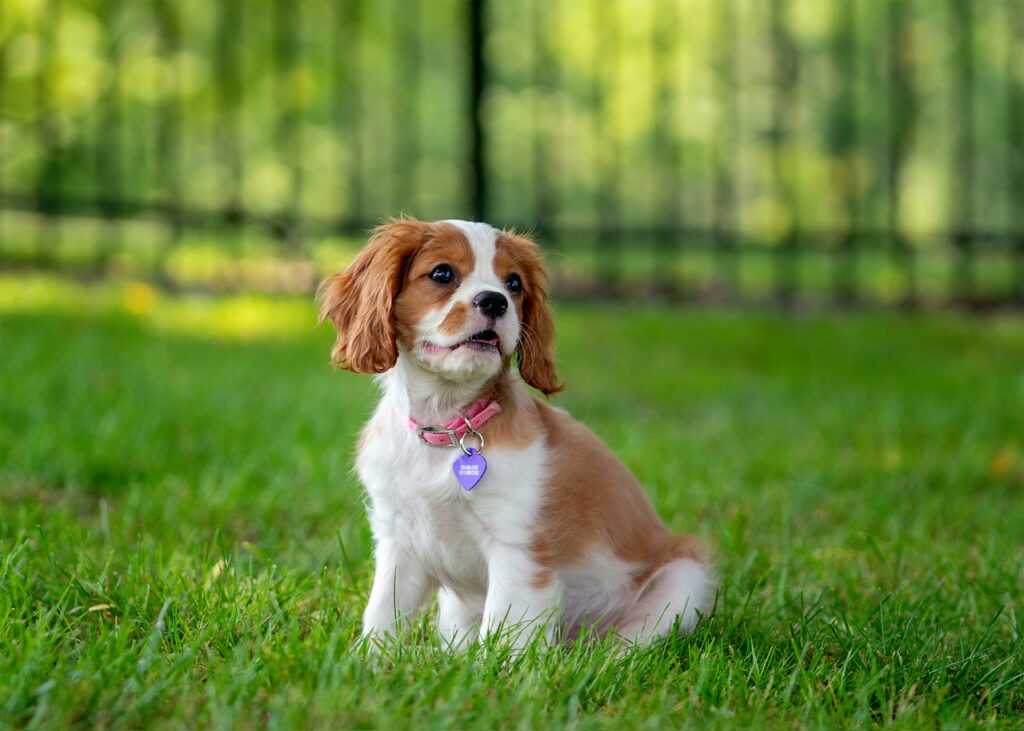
(522, 597)
(400, 587)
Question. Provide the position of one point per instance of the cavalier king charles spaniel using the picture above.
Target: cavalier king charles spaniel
(516, 515)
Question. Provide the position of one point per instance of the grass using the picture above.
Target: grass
(182, 543)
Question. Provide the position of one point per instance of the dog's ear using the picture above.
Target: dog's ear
(359, 300)
(536, 347)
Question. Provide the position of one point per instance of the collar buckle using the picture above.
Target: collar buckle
(423, 431)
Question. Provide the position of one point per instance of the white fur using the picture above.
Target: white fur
(431, 534)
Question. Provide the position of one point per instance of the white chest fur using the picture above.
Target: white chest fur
(418, 506)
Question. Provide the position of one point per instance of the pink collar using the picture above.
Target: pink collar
(449, 434)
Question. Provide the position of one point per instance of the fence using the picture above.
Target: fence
(790, 150)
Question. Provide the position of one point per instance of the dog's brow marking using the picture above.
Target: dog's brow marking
(483, 239)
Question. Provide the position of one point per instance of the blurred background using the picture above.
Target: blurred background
(183, 542)
(838, 151)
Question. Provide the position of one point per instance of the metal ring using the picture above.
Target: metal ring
(474, 432)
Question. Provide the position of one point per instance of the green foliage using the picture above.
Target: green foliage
(182, 543)
(818, 116)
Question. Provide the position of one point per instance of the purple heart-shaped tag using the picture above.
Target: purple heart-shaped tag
(469, 469)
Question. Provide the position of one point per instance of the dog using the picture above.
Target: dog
(518, 517)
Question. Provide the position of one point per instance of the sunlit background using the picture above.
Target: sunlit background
(183, 540)
(753, 150)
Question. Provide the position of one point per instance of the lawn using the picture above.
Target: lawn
(182, 543)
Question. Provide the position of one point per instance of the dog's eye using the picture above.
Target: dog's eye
(442, 274)
(514, 283)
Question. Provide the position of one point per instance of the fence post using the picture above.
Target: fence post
(50, 174)
(347, 104)
(109, 161)
(784, 118)
(1015, 145)
(724, 231)
(843, 144)
(287, 221)
(902, 126)
(168, 133)
(962, 194)
(477, 183)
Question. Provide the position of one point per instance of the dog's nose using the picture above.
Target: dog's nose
(492, 304)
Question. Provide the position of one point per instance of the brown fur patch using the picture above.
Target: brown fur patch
(542, 579)
(517, 425)
(592, 499)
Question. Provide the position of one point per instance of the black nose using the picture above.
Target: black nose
(492, 304)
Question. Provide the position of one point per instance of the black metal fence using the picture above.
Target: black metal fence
(790, 150)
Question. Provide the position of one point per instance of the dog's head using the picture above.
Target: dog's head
(460, 298)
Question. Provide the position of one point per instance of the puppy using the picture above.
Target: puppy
(515, 514)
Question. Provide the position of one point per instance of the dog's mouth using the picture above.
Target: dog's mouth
(484, 340)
